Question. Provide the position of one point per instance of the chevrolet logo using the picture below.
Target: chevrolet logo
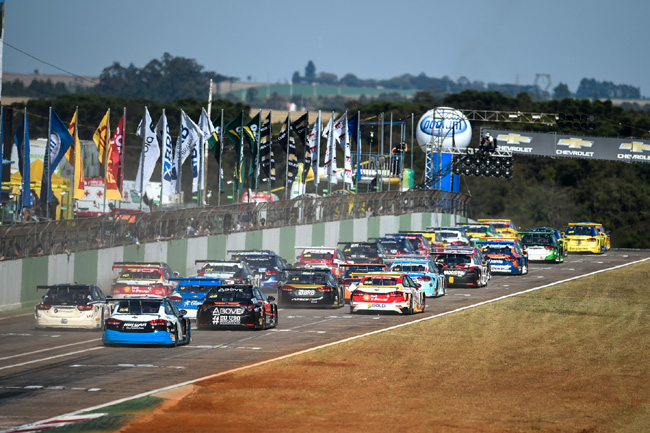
(635, 146)
(513, 138)
(575, 143)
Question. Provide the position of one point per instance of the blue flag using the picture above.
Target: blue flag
(22, 145)
(60, 142)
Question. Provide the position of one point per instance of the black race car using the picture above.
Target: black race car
(363, 252)
(308, 287)
(237, 306)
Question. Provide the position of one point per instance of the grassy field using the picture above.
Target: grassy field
(570, 358)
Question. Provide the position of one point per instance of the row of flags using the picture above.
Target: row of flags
(192, 139)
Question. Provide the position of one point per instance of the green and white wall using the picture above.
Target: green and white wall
(19, 278)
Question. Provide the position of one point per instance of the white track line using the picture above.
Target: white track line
(334, 343)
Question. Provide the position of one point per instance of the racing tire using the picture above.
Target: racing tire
(424, 303)
(351, 309)
(275, 320)
(175, 339)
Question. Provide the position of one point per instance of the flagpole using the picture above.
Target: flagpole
(286, 168)
(162, 165)
(74, 164)
(256, 170)
(25, 162)
(332, 150)
(319, 131)
(270, 150)
(220, 157)
(179, 186)
(240, 157)
(358, 149)
(144, 139)
(46, 168)
(205, 149)
(122, 152)
(106, 139)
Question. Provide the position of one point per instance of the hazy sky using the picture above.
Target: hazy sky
(502, 41)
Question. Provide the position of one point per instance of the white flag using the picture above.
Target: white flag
(150, 152)
(340, 129)
(207, 129)
(168, 173)
(330, 153)
(186, 144)
(313, 148)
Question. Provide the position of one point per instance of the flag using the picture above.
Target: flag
(288, 144)
(60, 141)
(330, 152)
(168, 172)
(266, 151)
(186, 144)
(22, 145)
(2, 139)
(74, 158)
(353, 132)
(150, 152)
(340, 131)
(100, 137)
(215, 144)
(252, 134)
(208, 131)
(311, 155)
(233, 131)
(301, 127)
(214, 140)
(114, 163)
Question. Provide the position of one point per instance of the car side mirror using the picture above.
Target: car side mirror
(271, 298)
(176, 274)
(183, 313)
(418, 285)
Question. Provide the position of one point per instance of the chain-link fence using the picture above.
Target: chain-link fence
(67, 236)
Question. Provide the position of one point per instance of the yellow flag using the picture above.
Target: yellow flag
(101, 137)
(74, 158)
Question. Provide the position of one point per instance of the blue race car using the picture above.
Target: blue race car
(151, 320)
(423, 272)
(191, 291)
(506, 256)
(267, 266)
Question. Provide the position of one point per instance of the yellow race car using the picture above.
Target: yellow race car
(586, 237)
(504, 227)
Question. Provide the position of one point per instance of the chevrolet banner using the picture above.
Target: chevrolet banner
(572, 146)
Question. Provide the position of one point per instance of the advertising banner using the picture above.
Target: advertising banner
(572, 146)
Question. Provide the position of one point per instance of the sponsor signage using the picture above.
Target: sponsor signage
(571, 146)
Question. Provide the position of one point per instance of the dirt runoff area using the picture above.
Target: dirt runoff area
(571, 358)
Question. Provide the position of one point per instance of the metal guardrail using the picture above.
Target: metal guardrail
(66, 236)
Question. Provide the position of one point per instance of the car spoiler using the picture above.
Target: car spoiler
(117, 265)
(64, 286)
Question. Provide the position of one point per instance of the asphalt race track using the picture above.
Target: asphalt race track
(47, 373)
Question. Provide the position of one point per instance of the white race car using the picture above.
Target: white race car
(72, 306)
(396, 292)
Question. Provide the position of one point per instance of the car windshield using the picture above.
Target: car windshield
(138, 274)
(379, 281)
(581, 231)
(537, 239)
(308, 277)
(139, 306)
(361, 250)
(398, 267)
(67, 296)
(447, 235)
(257, 262)
(229, 294)
(193, 288)
(497, 249)
(230, 269)
(318, 255)
(455, 259)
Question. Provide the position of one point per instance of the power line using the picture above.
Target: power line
(50, 64)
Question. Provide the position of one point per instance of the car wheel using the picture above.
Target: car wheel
(275, 319)
(424, 303)
(175, 337)
(351, 308)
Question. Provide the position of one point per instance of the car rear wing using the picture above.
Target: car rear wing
(374, 265)
(199, 279)
(118, 265)
(64, 286)
(250, 252)
(307, 269)
(217, 261)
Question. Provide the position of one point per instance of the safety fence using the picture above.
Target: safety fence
(67, 236)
